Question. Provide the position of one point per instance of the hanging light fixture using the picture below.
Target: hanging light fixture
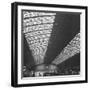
(37, 30)
(70, 50)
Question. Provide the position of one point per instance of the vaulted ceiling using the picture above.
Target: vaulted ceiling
(66, 26)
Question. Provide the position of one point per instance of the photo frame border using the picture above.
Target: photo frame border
(14, 43)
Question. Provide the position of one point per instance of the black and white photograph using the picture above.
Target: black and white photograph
(49, 44)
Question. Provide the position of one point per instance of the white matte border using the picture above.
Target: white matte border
(31, 80)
